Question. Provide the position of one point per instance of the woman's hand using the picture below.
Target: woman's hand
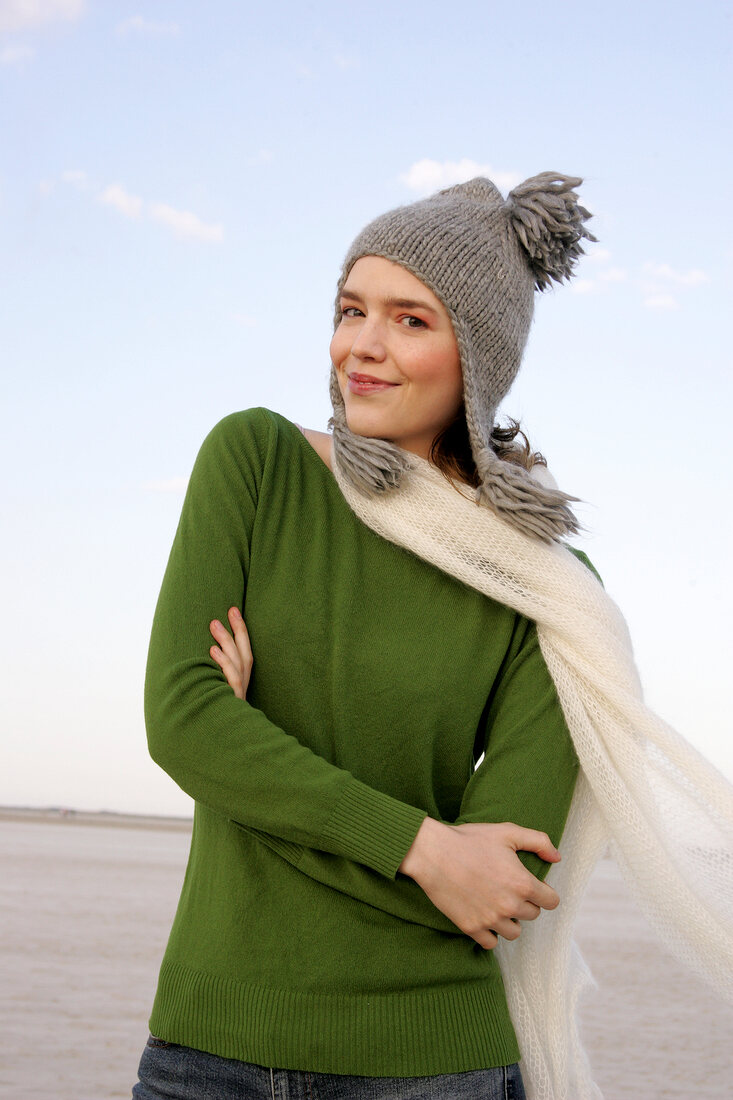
(233, 654)
(472, 874)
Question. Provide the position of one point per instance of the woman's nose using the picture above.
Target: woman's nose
(369, 341)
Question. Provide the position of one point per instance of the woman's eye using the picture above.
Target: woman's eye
(351, 311)
(413, 322)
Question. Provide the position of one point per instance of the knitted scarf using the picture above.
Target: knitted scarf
(665, 811)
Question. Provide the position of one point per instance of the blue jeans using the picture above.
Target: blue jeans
(172, 1072)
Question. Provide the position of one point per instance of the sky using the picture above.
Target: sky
(179, 183)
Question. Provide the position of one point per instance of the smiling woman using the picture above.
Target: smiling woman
(386, 747)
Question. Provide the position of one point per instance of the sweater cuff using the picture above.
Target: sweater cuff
(373, 828)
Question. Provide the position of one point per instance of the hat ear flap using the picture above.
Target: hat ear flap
(549, 222)
(533, 508)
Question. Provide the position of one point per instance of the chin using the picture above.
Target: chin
(366, 424)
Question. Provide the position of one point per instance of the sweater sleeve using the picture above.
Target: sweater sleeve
(220, 750)
(529, 768)
(527, 776)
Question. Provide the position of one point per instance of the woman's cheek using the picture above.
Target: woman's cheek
(334, 349)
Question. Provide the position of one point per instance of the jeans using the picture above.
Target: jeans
(172, 1072)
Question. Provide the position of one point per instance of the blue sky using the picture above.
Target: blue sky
(178, 185)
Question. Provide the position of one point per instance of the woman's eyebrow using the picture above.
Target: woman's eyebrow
(400, 303)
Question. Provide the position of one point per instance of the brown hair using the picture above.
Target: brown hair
(451, 450)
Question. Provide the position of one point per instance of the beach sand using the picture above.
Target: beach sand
(85, 908)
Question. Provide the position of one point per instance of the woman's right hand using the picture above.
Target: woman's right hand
(233, 654)
(473, 874)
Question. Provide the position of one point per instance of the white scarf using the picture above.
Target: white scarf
(666, 812)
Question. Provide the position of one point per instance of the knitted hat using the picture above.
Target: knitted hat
(483, 257)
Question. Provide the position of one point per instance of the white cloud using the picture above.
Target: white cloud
(137, 24)
(658, 280)
(661, 301)
(24, 15)
(121, 200)
(77, 178)
(693, 277)
(613, 275)
(185, 224)
(582, 286)
(426, 175)
(245, 320)
(600, 255)
(16, 55)
(167, 485)
(262, 156)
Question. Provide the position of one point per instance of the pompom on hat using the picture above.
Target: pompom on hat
(483, 256)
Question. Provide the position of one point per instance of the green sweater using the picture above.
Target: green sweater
(378, 682)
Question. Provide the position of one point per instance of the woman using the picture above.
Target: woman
(352, 872)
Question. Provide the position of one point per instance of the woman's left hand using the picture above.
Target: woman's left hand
(233, 654)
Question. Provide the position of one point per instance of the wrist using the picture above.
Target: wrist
(419, 855)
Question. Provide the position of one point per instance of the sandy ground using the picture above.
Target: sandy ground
(85, 907)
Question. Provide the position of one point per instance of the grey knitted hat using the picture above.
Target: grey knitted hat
(483, 257)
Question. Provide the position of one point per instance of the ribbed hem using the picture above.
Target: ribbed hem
(373, 828)
(407, 1034)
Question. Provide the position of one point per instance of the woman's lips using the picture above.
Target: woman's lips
(366, 383)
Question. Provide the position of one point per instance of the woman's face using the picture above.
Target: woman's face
(396, 357)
